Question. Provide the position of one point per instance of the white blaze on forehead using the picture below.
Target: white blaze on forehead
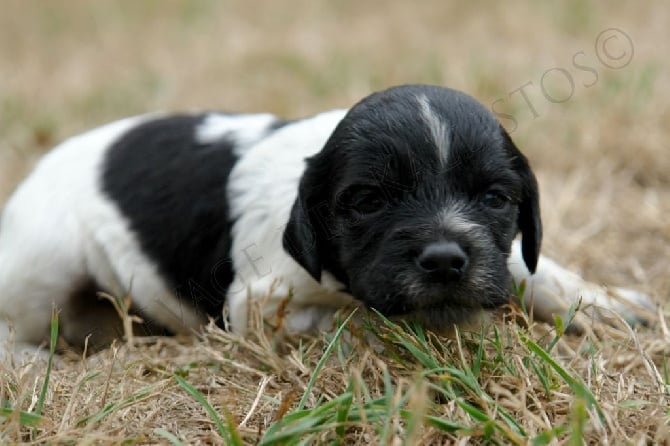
(244, 130)
(438, 128)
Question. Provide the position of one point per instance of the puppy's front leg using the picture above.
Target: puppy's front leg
(552, 290)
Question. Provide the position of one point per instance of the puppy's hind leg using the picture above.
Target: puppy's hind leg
(25, 302)
(39, 266)
(552, 290)
(25, 312)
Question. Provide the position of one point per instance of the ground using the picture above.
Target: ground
(581, 86)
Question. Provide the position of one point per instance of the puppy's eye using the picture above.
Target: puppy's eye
(495, 200)
(364, 199)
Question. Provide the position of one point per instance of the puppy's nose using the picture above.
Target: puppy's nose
(444, 261)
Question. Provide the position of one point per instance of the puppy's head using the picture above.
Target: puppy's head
(413, 204)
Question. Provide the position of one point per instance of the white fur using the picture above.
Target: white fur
(552, 290)
(245, 129)
(274, 167)
(438, 129)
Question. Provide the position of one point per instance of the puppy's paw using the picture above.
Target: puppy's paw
(601, 302)
(636, 307)
(554, 290)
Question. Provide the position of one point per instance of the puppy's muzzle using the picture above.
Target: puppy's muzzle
(443, 262)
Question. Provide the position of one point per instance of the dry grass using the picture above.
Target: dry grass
(601, 157)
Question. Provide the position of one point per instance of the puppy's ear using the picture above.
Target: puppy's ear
(302, 238)
(528, 221)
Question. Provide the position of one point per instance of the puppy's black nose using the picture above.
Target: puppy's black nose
(444, 261)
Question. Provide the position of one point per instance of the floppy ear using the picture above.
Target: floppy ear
(529, 222)
(300, 239)
(302, 235)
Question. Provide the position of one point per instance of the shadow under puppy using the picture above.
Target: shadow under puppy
(408, 203)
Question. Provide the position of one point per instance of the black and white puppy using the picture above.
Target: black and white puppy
(408, 203)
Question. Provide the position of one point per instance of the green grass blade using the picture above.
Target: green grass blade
(53, 339)
(322, 361)
(294, 434)
(113, 407)
(547, 436)
(230, 434)
(343, 413)
(519, 291)
(479, 358)
(575, 385)
(385, 433)
(25, 418)
(542, 375)
(412, 338)
(168, 436)
(511, 421)
(578, 419)
(447, 426)
(293, 426)
(473, 411)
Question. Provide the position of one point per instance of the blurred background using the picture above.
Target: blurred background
(582, 87)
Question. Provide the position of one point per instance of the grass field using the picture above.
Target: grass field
(581, 86)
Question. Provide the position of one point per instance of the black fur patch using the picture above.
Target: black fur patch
(173, 191)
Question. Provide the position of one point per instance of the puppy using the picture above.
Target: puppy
(408, 203)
